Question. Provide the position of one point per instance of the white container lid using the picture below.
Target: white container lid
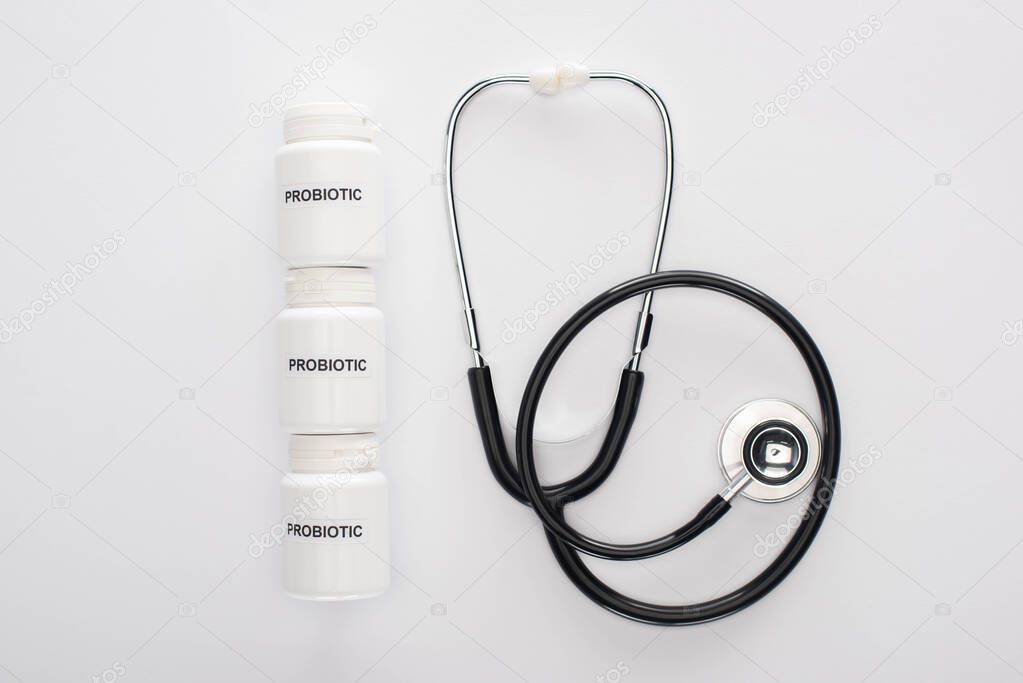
(330, 286)
(333, 452)
(327, 120)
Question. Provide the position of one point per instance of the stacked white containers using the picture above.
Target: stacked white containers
(330, 217)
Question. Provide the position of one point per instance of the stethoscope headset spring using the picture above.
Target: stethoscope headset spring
(778, 472)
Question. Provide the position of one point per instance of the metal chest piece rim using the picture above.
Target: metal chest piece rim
(774, 446)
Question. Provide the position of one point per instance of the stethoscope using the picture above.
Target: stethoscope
(769, 450)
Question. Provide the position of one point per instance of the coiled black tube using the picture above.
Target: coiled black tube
(548, 502)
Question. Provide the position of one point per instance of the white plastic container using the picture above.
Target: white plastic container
(329, 185)
(331, 353)
(335, 522)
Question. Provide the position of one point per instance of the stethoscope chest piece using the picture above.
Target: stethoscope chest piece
(770, 450)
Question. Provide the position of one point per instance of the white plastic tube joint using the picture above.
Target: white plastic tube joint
(550, 80)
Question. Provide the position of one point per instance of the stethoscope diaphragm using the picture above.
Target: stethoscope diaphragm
(770, 450)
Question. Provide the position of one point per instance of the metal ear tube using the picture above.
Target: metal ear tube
(550, 81)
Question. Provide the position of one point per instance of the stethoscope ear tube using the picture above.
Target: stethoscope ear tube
(572, 72)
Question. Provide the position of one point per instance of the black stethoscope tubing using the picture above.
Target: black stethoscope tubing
(521, 480)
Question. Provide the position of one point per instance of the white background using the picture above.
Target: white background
(140, 446)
